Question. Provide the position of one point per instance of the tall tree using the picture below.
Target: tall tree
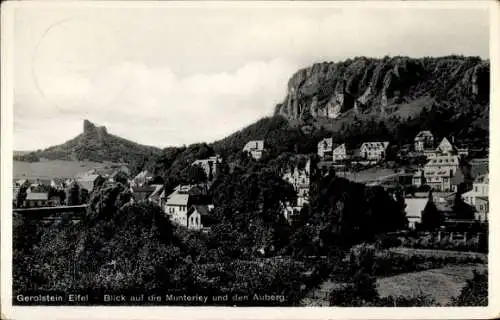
(193, 174)
(462, 209)
(73, 197)
(431, 217)
(21, 194)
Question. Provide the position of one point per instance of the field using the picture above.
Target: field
(440, 253)
(49, 169)
(367, 175)
(441, 284)
(440, 274)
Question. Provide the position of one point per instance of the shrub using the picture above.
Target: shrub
(418, 301)
(361, 291)
(475, 292)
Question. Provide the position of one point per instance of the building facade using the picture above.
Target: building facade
(197, 215)
(38, 200)
(445, 147)
(210, 166)
(480, 188)
(374, 151)
(175, 206)
(424, 140)
(414, 207)
(325, 148)
(143, 178)
(255, 148)
(438, 173)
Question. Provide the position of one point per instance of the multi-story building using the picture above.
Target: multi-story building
(209, 165)
(480, 188)
(445, 147)
(478, 197)
(300, 180)
(438, 172)
(255, 148)
(175, 205)
(424, 140)
(39, 199)
(374, 151)
(482, 208)
(197, 217)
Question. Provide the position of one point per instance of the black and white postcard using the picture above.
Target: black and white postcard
(207, 157)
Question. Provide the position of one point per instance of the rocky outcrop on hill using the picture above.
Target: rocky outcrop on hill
(96, 144)
(330, 89)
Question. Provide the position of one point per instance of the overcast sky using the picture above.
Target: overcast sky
(179, 75)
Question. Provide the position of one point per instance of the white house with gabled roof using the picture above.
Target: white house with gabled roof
(374, 151)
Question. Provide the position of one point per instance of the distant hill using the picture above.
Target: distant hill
(20, 153)
(94, 144)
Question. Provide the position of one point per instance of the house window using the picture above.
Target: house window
(475, 189)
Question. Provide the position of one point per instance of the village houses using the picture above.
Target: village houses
(299, 178)
(178, 208)
(478, 196)
(374, 151)
(328, 151)
(198, 216)
(175, 205)
(437, 172)
(414, 207)
(40, 199)
(143, 178)
(446, 147)
(424, 140)
(255, 148)
(210, 166)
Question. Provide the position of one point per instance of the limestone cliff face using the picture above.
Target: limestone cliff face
(329, 89)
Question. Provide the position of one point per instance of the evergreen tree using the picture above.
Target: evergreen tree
(21, 194)
(73, 198)
(462, 209)
(431, 217)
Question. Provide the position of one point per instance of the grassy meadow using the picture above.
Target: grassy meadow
(49, 169)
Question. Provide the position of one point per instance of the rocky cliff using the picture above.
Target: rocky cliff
(329, 90)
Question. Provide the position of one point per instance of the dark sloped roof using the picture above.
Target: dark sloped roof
(202, 209)
(458, 177)
(478, 168)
